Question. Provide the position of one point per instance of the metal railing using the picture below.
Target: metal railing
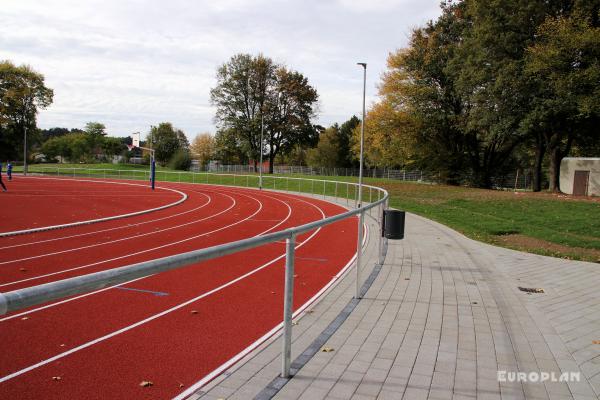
(373, 199)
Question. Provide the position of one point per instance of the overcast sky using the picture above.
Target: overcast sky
(131, 64)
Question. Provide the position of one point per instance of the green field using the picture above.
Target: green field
(541, 223)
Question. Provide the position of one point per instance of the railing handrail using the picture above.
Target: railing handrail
(22, 298)
(26, 297)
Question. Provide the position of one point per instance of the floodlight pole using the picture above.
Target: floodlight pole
(360, 179)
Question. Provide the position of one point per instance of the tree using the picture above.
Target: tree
(181, 160)
(95, 135)
(253, 92)
(420, 117)
(230, 148)
(182, 139)
(203, 147)
(95, 129)
(389, 137)
(240, 95)
(58, 146)
(165, 142)
(22, 93)
(112, 146)
(326, 154)
(345, 133)
(53, 132)
(289, 108)
(564, 65)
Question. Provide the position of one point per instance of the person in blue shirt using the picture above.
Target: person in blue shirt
(9, 171)
(2, 183)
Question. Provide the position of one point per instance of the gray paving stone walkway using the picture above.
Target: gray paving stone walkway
(442, 317)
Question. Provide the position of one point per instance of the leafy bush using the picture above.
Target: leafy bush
(181, 160)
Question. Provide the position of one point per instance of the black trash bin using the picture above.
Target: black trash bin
(393, 224)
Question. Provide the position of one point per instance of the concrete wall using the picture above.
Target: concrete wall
(569, 165)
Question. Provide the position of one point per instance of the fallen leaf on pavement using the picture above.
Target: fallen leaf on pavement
(531, 290)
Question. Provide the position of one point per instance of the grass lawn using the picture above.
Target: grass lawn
(542, 223)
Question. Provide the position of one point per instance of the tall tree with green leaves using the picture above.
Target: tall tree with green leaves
(564, 66)
(327, 152)
(22, 94)
(240, 96)
(95, 135)
(230, 148)
(345, 159)
(165, 142)
(289, 108)
(419, 119)
(254, 92)
(490, 77)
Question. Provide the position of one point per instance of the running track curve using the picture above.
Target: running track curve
(174, 328)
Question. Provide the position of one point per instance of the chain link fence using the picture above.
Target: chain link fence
(518, 180)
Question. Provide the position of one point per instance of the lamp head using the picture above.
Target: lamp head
(364, 65)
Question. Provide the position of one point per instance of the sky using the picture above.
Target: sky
(130, 64)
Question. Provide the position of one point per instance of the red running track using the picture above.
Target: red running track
(39, 202)
(173, 328)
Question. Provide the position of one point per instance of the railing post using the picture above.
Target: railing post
(370, 201)
(336, 189)
(288, 301)
(324, 182)
(380, 233)
(347, 193)
(361, 221)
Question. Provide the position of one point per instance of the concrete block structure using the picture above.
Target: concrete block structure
(580, 176)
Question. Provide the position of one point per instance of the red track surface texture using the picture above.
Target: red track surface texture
(39, 202)
(174, 328)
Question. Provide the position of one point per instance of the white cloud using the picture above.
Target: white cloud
(132, 64)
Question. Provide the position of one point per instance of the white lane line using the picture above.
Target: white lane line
(232, 361)
(151, 318)
(102, 290)
(108, 242)
(112, 229)
(135, 253)
(92, 221)
(69, 300)
(155, 316)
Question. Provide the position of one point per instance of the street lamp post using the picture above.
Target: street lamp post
(362, 134)
(360, 178)
(25, 150)
(262, 127)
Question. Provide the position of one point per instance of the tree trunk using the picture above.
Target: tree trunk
(271, 162)
(556, 155)
(540, 151)
(255, 166)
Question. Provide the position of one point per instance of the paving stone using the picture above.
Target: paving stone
(439, 321)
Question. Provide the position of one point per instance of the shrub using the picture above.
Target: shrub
(181, 160)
